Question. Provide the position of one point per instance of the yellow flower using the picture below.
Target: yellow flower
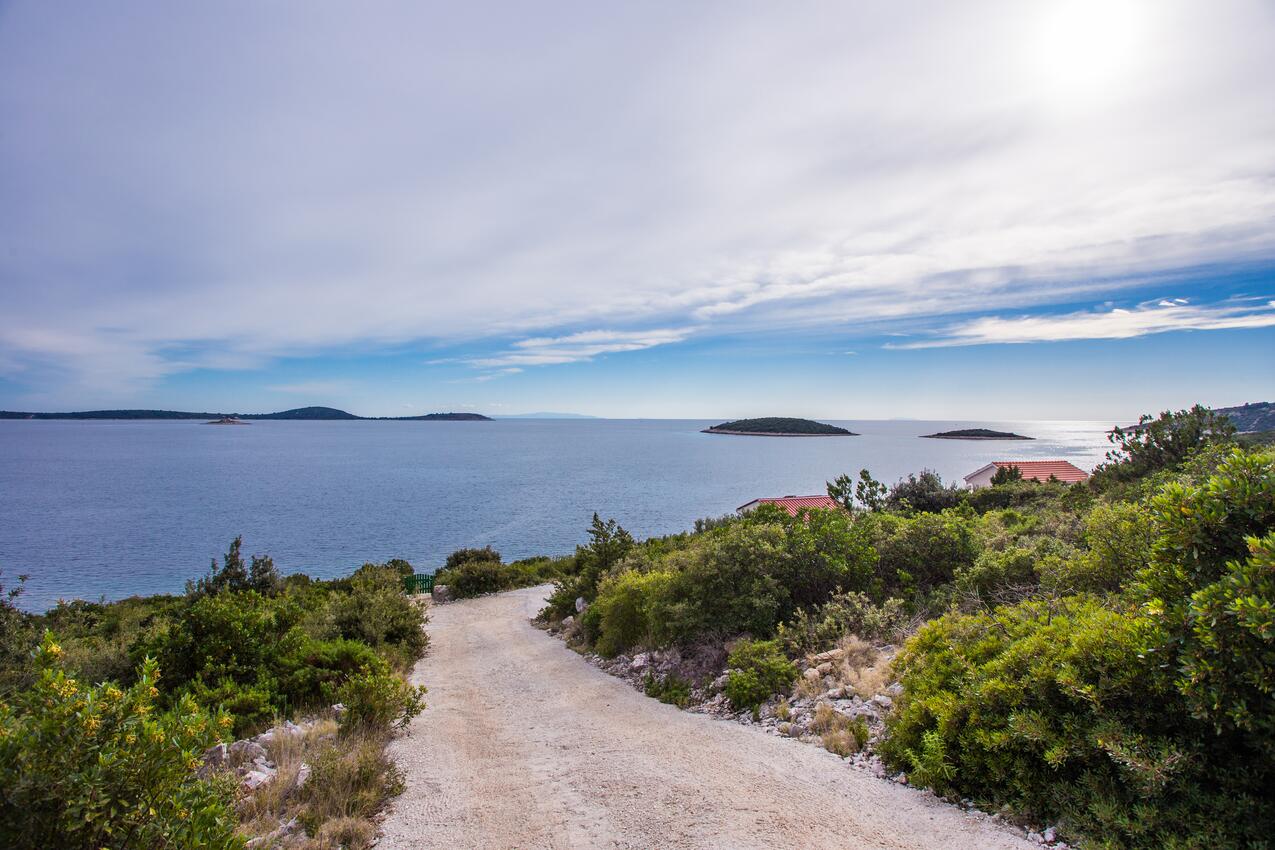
(130, 738)
(154, 691)
(92, 723)
(55, 649)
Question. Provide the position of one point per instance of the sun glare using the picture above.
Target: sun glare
(1086, 50)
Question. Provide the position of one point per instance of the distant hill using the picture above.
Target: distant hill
(976, 434)
(1257, 416)
(326, 414)
(779, 426)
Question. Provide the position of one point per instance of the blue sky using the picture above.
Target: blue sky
(979, 210)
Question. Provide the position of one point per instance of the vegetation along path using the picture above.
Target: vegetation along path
(525, 744)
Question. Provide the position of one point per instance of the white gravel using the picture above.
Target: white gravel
(525, 745)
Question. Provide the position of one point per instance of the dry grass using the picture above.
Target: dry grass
(863, 669)
(782, 710)
(351, 779)
(808, 687)
(838, 734)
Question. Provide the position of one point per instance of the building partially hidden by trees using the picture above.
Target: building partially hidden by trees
(1027, 470)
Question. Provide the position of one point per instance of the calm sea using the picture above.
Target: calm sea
(110, 509)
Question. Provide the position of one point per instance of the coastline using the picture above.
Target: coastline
(942, 437)
(770, 433)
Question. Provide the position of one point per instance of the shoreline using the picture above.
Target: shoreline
(942, 437)
(770, 433)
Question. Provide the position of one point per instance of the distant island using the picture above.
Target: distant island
(1252, 417)
(296, 414)
(975, 434)
(779, 426)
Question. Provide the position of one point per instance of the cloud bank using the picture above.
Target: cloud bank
(218, 186)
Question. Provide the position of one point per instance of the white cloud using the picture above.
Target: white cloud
(1112, 324)
(545, 351)
(181, 186)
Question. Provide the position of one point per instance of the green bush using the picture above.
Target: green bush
(476, 578)
(100, 766)
(378, 700)
(842, 615)
(671, 689)
(376, 612)
(920, 553)
(467, 556)
(758, 671)
(1144, 723)
(622, 610)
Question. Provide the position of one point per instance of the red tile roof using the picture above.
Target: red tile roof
(1040, 470)
(793, 504)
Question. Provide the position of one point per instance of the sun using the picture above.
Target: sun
(1085, 50)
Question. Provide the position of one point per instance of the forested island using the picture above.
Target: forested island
(295, 414)
(1251, 418)
(779, 426)
(975, 434)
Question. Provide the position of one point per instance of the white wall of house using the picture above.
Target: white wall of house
(981, 478)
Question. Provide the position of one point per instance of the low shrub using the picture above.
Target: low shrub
(378, 700)
(100, 766)
(468, 556)
(759, 670)
(671, 689)
(376, 612)
(844, 614)
(621, 616)
(352, 780)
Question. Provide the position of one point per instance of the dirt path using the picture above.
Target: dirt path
(526, 745)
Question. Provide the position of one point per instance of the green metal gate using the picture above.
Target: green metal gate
(419, 583)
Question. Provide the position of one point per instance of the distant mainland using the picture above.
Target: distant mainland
(298, 413)
(779, 426)
(976, 434)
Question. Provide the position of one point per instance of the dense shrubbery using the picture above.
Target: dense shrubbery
(112, 764)
(475, 572)
(102, 766)
(1142, 721)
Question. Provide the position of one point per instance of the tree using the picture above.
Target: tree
(234, 575)
(923, 493)
(841, 491)
(609, 543)
(869, 492)
(1161, 443)
(1006, 474)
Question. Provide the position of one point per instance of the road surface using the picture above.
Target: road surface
(526, 745)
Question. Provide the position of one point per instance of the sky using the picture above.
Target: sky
(976, 210)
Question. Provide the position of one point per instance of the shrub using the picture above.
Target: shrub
(376, 612)
(759, 670)
(352, 780)
(671, 689)
(924, 493)
(1160, 443)
(378, 700)
(842, 615)
(1143, 725)
(91, 767)
(479, 577)
(468, 556)
(920, 553)
(16, 637)
(234, 575)
(622, 610)
(1118, 537)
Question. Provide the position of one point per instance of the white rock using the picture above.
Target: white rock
(883, 700)
(580, 604)
(1035, 838)
(254, 779)
(568, 622)
(639, 661)
(825, 668)
(812, 675)
(303, 775)
(247, 750)
(1050, 835)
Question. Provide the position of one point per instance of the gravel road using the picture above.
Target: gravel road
(526, 745)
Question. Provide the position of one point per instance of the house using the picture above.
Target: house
(792, 504)
(1036, 470)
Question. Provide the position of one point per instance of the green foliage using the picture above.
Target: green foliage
(1136, 725)
(234, 575)
(1160, 443)
(844, 614)
(918, 553)
(671, 689)
(100, 766)
(758, 671)
(468, 556)
(923, 493)
(621, 616)
(870, 493)
(376, 612)
(16, 637)
(375, 699)
(1006, 475)
(1118, 538)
